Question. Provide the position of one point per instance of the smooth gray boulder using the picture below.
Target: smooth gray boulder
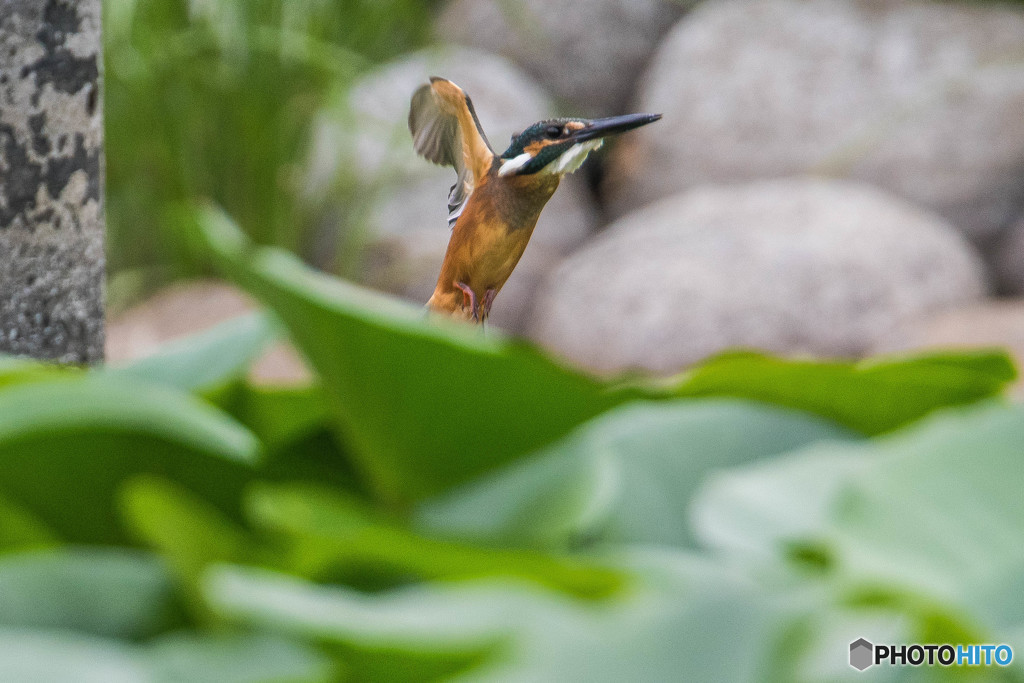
(923, 99)
(791, 266)
(402, 198)
(588, 53)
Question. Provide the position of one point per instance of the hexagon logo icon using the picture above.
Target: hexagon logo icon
(861, 654)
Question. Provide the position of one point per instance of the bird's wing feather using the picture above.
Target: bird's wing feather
(445, 130)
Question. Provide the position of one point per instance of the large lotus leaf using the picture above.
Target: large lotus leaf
(328, 533)
(22, 530)
(928, 522)
(298, 430)
(775, 507)
(38, 656)
(66, 446)
(710, 626)
(111, 592)
(188, 532)
(939, 514)
(51, 655)
(871, 396)
(15, 370)
(625, 476)
(821, 650)
(236, 658)
(280, 416)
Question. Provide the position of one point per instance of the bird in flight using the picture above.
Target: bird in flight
(496, 200)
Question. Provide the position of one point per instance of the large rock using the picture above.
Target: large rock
(922, 99)
(793, 266)
(403, 198)
(587, 52)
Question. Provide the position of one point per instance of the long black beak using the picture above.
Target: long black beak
(599, 128)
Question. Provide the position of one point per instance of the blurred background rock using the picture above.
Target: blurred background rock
(804, 266)
(831, 177)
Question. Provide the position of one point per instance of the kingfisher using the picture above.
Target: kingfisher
(496, 200)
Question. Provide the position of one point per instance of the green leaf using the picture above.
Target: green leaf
(116, 593)
(17, 370)
(331, 533)
(423, 405)
(710, 626)
(927, 522)
(401, 636)
(823, 639)
(725, 633)
(42, 656)
(10, 365)
(625, 476)
(871, 396)
(297, 428)
(207, 362)
(776, 506)
(66, 446)
(248, 658)
(279, 416)
(939, 513)
(21, 530)
(187, 531)
(31, 656)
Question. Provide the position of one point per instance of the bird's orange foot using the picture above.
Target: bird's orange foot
(485, 305)
(468, 297)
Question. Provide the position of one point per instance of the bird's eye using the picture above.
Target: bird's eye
(553, 132)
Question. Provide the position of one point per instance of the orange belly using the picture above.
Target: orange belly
(488, 240)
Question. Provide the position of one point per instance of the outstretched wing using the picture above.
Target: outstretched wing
(445, 130)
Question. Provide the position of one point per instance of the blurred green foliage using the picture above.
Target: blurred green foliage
(215, 99)
(439, 504)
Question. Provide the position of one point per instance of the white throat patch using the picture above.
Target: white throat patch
(572, 158)
(514, 164)
(567, 162)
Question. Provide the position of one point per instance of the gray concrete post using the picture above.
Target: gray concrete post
(51, 180)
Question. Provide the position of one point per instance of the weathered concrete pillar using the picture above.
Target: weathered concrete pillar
(51, 180)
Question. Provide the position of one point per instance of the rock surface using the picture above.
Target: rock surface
(791, 266)
(51, 180)
(404, 197)
(586, 52)
(923, 99)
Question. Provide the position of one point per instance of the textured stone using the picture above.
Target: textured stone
(404, 197)
(922, 99)
(586, 52)
(793, 266)
(51, 180)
